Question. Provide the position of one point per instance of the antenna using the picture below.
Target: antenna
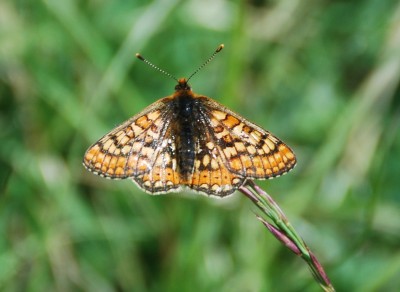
(220, 47)
(139, 56)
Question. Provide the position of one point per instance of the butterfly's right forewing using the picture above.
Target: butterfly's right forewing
(130, 149)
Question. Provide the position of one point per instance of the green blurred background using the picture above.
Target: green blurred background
(321, 75)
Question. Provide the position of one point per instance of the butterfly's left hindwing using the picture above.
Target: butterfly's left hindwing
(162, 175)
(210, 173)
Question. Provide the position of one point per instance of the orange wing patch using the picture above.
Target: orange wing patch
(210, 175)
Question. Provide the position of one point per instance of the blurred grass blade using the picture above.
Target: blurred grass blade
(285, 232)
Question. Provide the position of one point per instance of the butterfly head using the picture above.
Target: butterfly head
(183, 85)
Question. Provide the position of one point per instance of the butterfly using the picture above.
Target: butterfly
(188, 140)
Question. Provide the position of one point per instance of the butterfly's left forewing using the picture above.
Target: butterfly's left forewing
(247, 149)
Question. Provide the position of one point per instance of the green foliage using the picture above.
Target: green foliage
(321, 75)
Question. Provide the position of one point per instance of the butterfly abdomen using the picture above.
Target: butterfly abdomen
(186, 133)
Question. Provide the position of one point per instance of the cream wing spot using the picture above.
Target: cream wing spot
(240, 147)
(126, 149)
(210, 145)
(136, 146)
(251, 149)
(206, 160)
(153, 115)
(230, 152)
(214, 164)
(236, 181)
(269, 143)
(136, 129)
(219, 115)
(107, 144)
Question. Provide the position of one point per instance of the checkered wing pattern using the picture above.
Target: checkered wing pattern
(141, 148)
(246, 149)
(211, 174)
(162, 175)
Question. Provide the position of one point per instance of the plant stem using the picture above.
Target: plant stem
(284, 231)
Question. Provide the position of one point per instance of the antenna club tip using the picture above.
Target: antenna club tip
(139, 56)
(221, 46)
